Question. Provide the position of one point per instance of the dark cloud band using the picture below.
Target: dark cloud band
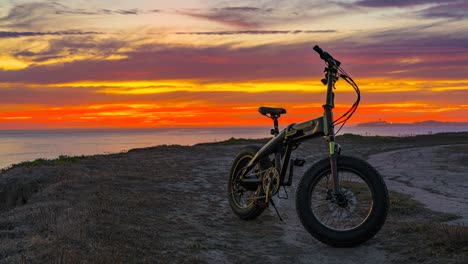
(415, 59)
(256, 32)
(398, 3)
(18, 34)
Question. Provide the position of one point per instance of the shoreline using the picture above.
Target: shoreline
(232, 141)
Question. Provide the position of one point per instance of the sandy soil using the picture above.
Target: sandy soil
(435, 176)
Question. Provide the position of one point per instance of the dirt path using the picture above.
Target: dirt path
(435, 176)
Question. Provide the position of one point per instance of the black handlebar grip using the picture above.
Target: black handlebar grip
(323, 55)
(318, 50)
(326, 57)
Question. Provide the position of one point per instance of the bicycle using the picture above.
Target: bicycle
(342, 201)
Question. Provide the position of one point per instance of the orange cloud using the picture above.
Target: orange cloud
(133, 115)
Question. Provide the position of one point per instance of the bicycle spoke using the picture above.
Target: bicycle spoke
(318, 206)
(342, 217)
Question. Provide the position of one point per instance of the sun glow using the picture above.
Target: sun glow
(12, 64)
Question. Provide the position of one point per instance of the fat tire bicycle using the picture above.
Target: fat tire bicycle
(342, 201)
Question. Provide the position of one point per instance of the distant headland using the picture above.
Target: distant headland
(382, 123)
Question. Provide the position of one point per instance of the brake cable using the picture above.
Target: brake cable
(346, 116)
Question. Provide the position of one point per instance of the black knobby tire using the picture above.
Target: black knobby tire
(371, 223)
(256, 207)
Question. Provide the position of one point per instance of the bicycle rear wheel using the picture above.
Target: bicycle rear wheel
(245, 200)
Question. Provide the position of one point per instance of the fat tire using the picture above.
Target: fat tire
(346, 238)
(257, 207)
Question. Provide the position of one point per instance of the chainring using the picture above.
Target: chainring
(271, 181)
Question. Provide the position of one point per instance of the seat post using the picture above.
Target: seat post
(273, 113)
(275, 130)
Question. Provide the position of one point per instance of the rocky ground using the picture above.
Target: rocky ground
(168, 204)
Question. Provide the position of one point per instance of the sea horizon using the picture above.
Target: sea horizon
(363, 124)
(24, 145)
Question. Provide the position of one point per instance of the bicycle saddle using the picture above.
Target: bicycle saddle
(271, 110)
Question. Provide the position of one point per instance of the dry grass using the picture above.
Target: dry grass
(418, 234)
(454, 237)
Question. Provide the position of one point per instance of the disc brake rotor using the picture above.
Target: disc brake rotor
(342, 211)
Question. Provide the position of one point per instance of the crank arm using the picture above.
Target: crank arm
(250, 180)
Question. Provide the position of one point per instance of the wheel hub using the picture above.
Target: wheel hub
(342, 204)
(341, 200)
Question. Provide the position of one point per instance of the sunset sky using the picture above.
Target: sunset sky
(207, 63)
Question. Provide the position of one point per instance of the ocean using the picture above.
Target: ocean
(25, 145)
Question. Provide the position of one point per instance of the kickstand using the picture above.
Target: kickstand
(274, 206)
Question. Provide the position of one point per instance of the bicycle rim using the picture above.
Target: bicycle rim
(243, 197)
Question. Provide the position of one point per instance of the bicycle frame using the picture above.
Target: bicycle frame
(284, 142)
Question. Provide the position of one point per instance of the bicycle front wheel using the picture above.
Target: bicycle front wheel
(346, 222)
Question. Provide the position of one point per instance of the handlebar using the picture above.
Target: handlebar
(327, 57)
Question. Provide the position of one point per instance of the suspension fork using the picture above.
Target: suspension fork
(334, 153)
(334, 150)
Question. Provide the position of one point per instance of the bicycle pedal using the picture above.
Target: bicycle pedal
(299, 162)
